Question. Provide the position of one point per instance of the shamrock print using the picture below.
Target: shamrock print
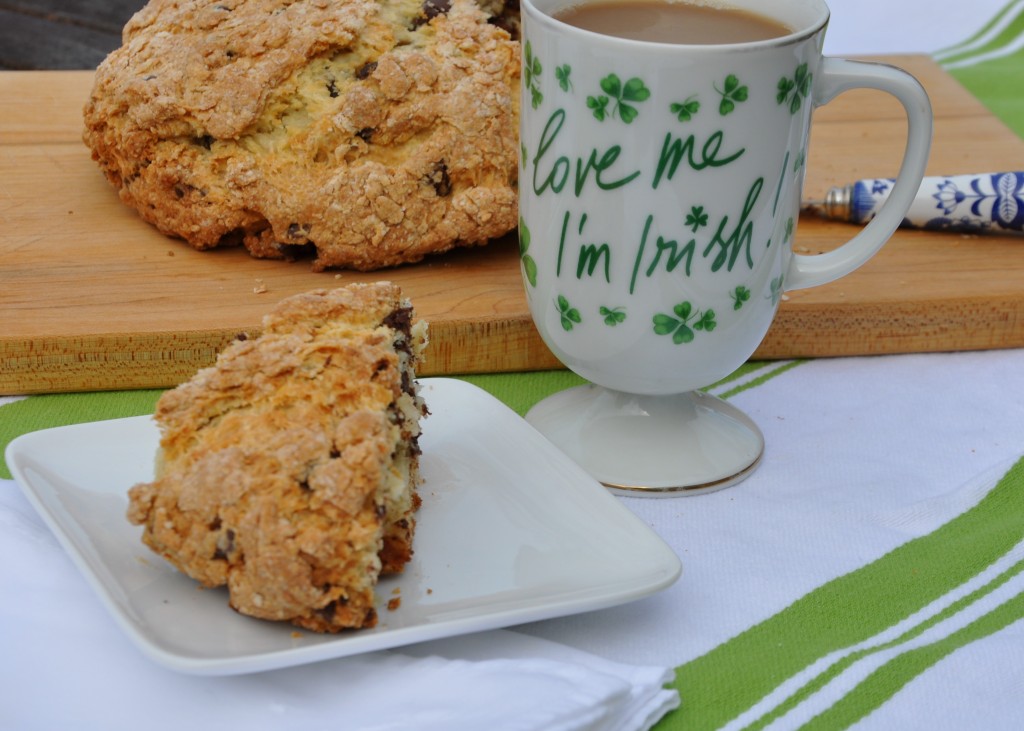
(562, 76)
(625, 95)
(531, 75)
(685, 110)
(696, 218)
(739, 295)
(569, 315)
(731, 93)
(599, 106)
(612, 315)
(795, 90)
(529, 265)
(686, 321)
(776, 285)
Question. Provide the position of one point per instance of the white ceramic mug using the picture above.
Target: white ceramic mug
(660, 189)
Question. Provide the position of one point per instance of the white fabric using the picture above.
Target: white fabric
(863, 454)
(66, 665)
(876, 449)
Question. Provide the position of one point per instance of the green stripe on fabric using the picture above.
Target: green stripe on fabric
(1004, 38)
(743, 370)
(730, 679)
(881, 685)
(992, 83)
(520, 391)
(763, 378)
(50, 410)
(841, 665)
(970, 45)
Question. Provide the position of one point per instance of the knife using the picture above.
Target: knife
(975, 203)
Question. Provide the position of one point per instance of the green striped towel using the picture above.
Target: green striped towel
(991, 64)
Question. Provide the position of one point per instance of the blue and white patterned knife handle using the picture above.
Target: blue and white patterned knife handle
(983, 202)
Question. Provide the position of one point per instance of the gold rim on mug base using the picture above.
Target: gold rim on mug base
(685, 490)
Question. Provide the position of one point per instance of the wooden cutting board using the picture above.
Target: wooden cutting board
(92, 298)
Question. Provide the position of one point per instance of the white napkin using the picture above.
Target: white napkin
(53, 629)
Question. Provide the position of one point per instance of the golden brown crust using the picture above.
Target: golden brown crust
(286, 464)
(356, 128)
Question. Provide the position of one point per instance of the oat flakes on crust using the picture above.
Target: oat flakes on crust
(366, 133)
(288, 469)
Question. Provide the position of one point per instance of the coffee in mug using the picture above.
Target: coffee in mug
(664, 21)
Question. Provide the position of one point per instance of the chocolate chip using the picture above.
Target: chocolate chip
(332, 89)
(399, 319)
(366, 69)
(183, 189)
(440, 180)
(298, 230)
(433, 8)
(500, 21)
(381, 367)
(225, 545)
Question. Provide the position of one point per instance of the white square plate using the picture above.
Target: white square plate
(510, 531)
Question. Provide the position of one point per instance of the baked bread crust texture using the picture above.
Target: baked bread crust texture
(363, 133)
(287, 470)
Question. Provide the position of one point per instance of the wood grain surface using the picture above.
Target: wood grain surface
(92, 298)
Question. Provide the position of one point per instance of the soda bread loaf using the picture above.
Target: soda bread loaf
(287, 470)
(360, 133)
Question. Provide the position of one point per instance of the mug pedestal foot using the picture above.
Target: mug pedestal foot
(651, 446)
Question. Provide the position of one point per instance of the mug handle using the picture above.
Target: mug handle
(835, 76)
